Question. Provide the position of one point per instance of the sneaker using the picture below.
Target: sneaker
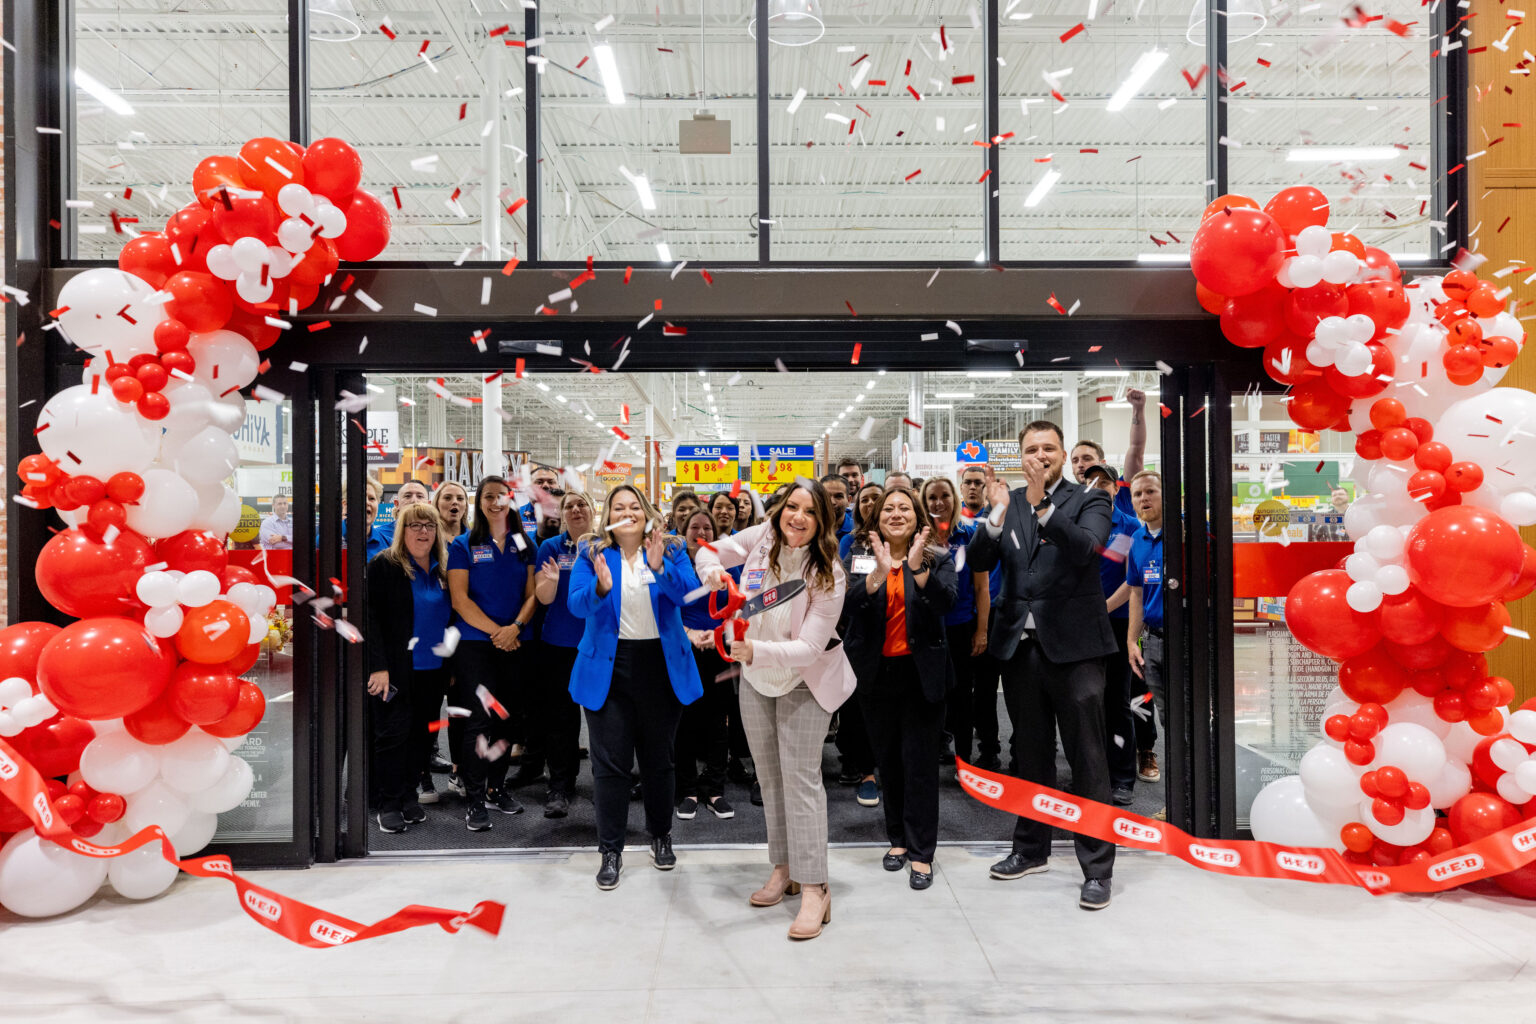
(1095, 894)
(477, 818)
(455, 785)
(504, 801)
(439, 765)
(756, 796)
(557, 806)
(990, 763)
(1146, 767)
(426, 793)
(849, 778)
(661, 853)
(721, 808)
(391, 821)
(414, 814)
(1161, 815)
(608, 874)
(687, 808)
(1123, 795)
(869, 793)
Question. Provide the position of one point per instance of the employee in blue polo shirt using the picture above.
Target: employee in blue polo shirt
(1090, 453)
(1120, 726)
(1144, 577)
(490, 577)
(841, 496)
(545, 481)
(412, 492)
(556, 729)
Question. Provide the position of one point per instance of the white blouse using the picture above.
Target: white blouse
(636, 619)
(773, 624)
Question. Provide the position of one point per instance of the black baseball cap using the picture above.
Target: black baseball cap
(1100, 469)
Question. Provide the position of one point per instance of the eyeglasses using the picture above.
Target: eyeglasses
(422, 527)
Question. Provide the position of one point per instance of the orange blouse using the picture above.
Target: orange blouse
(895, 614)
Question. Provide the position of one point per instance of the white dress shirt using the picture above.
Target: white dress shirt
(1041, 518)
(636, 619)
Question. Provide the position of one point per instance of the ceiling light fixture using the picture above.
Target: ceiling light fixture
(954, 394)
(1028, 405)
(664, 252)
(1106, 373)
(1333, 154)
(792, 23)
(989, 373)
(936, 405)
(608, 67)
(1141, 72)
(1042, 186)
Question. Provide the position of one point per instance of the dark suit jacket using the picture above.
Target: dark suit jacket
(391, 620)
(926, 608)
(1052, 571)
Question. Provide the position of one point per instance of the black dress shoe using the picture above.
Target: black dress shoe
(893, 861)
(920, 880)
(438, 764)
(1016, 865)
(1095, 894)
(1123, 795)
(661, 853)
(756, 796)
(608, 874)
(557, 806)
(989, 762)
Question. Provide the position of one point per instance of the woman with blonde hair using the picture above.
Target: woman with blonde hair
(408, 611)
(634, 668)
(965, 625)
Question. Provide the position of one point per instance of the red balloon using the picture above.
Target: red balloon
(1382, 265)
(1476, 629)
(148, 258)
(214, 633)
(1464, 555)
(1480, 814)
(1519, 882)
(1408, 618)
(156, 723)
(1458, 284)
(1316, 406)
(125, 488)
(171, 335)
(191, 230)
(201, 301)
(85, 576)
(256, 159)
(333, 169)
(246, 716)
(154, 406)
(245, 216)
(20, 647)
(1228, 201)
(1285, 359)
(254, 328)
(243, 662)
(1256, 319)
(233, 574)
(213, 173)
(1432, 455)
(1498, 351)
(103, 668)
(1484, 300)
(193, 549)
(1430, 654)
(368, 227)
(1235, 252)
(1211, 302)
(1322, 620)
(106, 807)
(1384, 302)
(202, 694)
(318, 263)
(1372, 677)
(1305, 307)
(1522, 586)
(1343, 240)
(54, 747)
(1364, 385)
(1297, 207)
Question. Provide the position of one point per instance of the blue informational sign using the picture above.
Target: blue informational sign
(971, 451)
(707, 452)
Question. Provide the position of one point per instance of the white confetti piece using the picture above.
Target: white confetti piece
(450, 643)
(424, 309)
(794, 104)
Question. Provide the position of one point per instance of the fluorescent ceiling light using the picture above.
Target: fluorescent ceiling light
(936, 405)
(1106, 373)
(954, 394)
(541, 385)
(591, 418)
(1330, 154)
(1146, 65)
(663, 252)
(1042, 186)
(870, 386)
(113, 101)
(1162, 257)
(1053, 394)
(1028, 405)
(643, 187)
(560, 398)
(989, 373)
(858, 398)
(609, 68)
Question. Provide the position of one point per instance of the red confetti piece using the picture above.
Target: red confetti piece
(1164, 410)
(581, 62)
(53, 223)
(943, 39)
(128, 192)
(517, 204)
(735, 489)
(962, 80)
(669, 330)
(850, 308)
(1055, 304)
(913, 174)
(858, 347)
(1418, 166)
(463, 109)
(424, 44)
(1105, 398)
(1453, 170)
(387, 31)
(60, 311)
(877, 81)
(656, 305)
(437, 726)
(910, 423)
(396, 190)
(859, 61)
(510, 266)
(1195, 80)
(1074, 30)
(984, 176)
(1088, 151)
(1058, 96)
(1264, 63)
(914, 93)
(662, 49)
(627, 272)
(619, 433)
(1501, 225)
(322, 325)
(624, 413)
(522, 365)
(493, 33)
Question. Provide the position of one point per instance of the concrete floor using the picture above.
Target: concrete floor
(1177, 944)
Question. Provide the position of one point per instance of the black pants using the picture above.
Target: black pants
(985, 674)
(478, 663)
(1043, 696)
(703, 734)
(1146, 724)
(1120, 742)
(455, 727)
(399, 731)
(853, 745)
(906, 729)
(972, 704)
(639, 719)
(736, 734)
(554, 720)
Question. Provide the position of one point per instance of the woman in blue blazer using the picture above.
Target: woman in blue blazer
(634, 668)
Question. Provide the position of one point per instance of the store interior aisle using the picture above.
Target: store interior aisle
(684, 946)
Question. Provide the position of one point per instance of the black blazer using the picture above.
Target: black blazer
(391, 619)
(926, 608)
(1052, 571)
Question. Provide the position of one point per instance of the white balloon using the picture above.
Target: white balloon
(1320, 353)
(1521, 725)
(1506, 753)
(1508, 786)
(333, 222)
(1525, 774)
(10, 725)
(294, 235)
(156, 804)
(249, 254)
(1453, 783)
(1305, 271)
(1413, 748)
(95, 435)
(294, 199)
(156, 589)
(258, 629)
(252, 288)
(166, 506)
(198, 587)
(1333, 331)
(221, 263)
(1314, 240)
(1385, 544)
(246, 596)
(192, 763)
(91, 303)
(33, 711)
(142, 874)
(1506, 450)
(1361, 566)
(1329, 779)
(164, 622)
(207, 457)
(190, 412)
(280, 262)
(218, 509)
(1363, 597)
(1281, 814)
(1412, 706)
(195, 834)
(1461, 742)
(40, 878)
(227, 793)
(1414, 828)
(1519, 508)
(1354, 360)
(268, 599)
(1340, 266)
(13, 691)
(224, 359)
(228, 412)
(115, 762)
(1392, 579)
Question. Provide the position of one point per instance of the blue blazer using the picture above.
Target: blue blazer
(593, 673)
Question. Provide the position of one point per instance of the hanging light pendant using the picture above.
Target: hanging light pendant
(1245, 19)
(792, 22)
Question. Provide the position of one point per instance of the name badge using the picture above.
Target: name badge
(1152, 573)
(645, 575)
(566, 561)
(752, 579)
(863, 565)
(481, 554)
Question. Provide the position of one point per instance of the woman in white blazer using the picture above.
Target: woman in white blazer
(795, 675)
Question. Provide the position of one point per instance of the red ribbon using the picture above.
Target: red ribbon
(1495, 854)
(298, 922)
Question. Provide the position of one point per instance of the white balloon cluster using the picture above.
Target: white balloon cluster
(1517, 757)
(167, 591)
(309, 216)
(1377, 567)
(1340, 343)
(20, 708)
(1314, 263)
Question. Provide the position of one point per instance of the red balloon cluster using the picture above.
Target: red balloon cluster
(46, 485)
(1392, 794)
(139, 381)
(1361, 847)
(1357, 731)
(81, 807)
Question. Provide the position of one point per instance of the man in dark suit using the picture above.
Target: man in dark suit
(1051, 634)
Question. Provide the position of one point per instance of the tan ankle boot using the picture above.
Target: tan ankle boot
(773, 890)
(815, 911)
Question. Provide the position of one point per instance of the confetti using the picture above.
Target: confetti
(1074, 30)
(858, 347)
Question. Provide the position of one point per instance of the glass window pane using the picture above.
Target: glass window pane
(437, 114)
(878, 160)
(158, 90)
(1107, 157)
(1344, 108)
(631, 168)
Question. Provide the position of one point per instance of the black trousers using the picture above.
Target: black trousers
(736, 733)
(853, 745)
(703, 734)
(1043, 696)
(970, 714)
(639, 719)
(554, 720)
(399, 734)
(479, 663)
(907, 730)
(1120, 742)
(985, 676)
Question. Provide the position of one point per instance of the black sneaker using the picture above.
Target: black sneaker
(757, 794)
(661, 853)
(848, 778)
(391, 821)
(439, 765)
(477, 818)
(414, 814)
(426, 793)
(720, 807)
(1095, 895)
(687, 808)
(504, 801)
(557, 806)
(455, 785)
(608, 874)
(1123, 795)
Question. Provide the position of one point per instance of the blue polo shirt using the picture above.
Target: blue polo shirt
(530, 518)
(561, 628)
(847, 525)
(995, 576)
(964, 609)
(1112, 569)
(497, 578)
(431, 610)
(1144, 566)
(382, 535)
(1123, 498)
(843, 545)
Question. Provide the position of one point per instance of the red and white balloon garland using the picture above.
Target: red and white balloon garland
(140, 703)
(1418, 753)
